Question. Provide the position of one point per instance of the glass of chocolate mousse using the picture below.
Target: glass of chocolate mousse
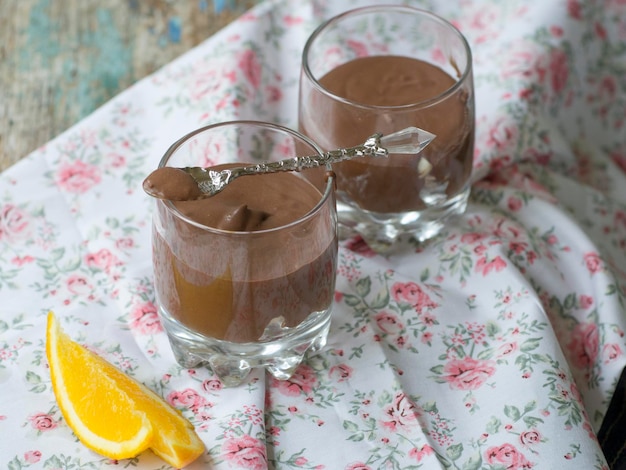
(381, 69)
(245, 278)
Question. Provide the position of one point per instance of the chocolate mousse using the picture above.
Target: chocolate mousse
(393, 90)
(226, 266)
(172, 183)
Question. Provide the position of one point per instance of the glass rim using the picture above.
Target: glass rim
(465, 75)
(329, 180)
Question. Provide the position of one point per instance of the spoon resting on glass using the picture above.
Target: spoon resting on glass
(193, 183)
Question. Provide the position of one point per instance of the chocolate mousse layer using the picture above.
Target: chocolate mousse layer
(386, 94)
(228, 281)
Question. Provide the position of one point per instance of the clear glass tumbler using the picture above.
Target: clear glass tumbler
(382, 69)
(241, 297)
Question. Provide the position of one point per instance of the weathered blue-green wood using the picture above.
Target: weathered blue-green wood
(61, 59)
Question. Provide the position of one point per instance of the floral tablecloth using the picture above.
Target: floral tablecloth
(497, 345)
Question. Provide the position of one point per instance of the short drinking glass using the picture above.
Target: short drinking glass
(246, 278)
(382, 69)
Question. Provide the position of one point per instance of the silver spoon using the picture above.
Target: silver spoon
(411, 140)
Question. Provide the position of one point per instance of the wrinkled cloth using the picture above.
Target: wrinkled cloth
(498, 344)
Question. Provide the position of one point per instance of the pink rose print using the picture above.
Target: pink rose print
(204, 83)
(600, 31)
(485, 267)
(293, 20)
(212, 385)
(530, 437)
(574, 9)
(620, 160)
(358, 48)
(419, 454)
(585, 301)
(507, 349)
(77, 177)
(78, 285)
(301, 382)
(556, 31)
(22, 260)
(102, 259)
(413, 294)
(468, 373)
(473, 237)
(610, 352)
(340, 372)
(502, 134)
(187, 398)
(388, 323)
(438, 56)
(559, 70)
(358, 245)
(14, 223)
(32, 456)
(273, 94)
(245, 452)
(42, 421)
(249, 64)
(552, 240)
(620, 216)
(144, 319)
(525, 62)
(593, 262)
(401, 413)
(480, 250)
(508, 456)
(607, 87)
(116, 160)
(124, 243)
(514, 203)
(584, 345)
(358, 466)
(6, 353)
(285, 148)
(208, 154)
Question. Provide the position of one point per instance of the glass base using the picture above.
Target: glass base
(280, 351)
(382, 230)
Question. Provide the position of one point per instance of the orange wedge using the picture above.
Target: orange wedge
(109, 411)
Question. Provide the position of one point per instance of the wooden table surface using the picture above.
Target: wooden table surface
(61, 59)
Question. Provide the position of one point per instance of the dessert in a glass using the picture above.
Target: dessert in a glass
(385, 68)
(245, 278)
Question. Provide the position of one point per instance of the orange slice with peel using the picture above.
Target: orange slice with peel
(109, 411)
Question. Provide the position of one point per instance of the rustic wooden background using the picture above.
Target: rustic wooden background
(61, 59)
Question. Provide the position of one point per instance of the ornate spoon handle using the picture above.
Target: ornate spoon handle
(407, 141)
